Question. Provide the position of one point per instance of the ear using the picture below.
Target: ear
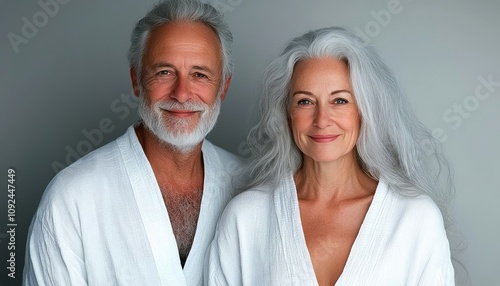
(135, 84)
(226, 87)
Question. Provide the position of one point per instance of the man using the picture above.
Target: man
(142, 209)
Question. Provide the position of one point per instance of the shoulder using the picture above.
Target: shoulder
(223, 168)
(90, 166)
(88, 174)
(252, 199)
(250, 205)
(224, 157)
(410, 236)
(415, 203)
(418, 211)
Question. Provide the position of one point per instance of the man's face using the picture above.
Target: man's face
(181, 87)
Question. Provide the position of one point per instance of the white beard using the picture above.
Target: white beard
(173, 131)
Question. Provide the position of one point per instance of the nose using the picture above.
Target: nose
(321, 117)
(181, 91)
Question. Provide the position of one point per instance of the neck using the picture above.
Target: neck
(338, 180)
(181, 170)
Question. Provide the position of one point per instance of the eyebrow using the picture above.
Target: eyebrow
(161, 65)
(203, 68)
(168, 65)
(311, 94)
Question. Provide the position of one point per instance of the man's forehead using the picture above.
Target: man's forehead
(191, 44)
(178, 31)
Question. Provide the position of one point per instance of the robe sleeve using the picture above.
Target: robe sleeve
(438, 269)
(54, 251)
(50, 261)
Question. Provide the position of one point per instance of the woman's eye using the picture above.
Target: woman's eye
(340, 101)
(304, 102)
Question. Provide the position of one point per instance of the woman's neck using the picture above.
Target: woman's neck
(337, 180)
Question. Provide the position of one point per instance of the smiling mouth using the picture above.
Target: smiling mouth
(323, 138)
(182, 113)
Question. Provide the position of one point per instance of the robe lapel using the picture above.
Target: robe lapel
(153, 212)
(193, 268)
(365, 251)
(296, 255)
(291, 236)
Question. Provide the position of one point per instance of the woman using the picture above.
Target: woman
(344, 179)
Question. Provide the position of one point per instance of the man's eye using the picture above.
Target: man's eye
(163, 72)
(200, 75)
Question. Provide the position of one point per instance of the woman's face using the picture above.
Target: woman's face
(324, 116)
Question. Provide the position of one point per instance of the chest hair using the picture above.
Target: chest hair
(183, 209)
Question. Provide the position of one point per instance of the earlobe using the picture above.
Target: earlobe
(133, 78)
(226, 87)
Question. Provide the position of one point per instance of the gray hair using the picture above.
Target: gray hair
(392, 144)
(169, 11)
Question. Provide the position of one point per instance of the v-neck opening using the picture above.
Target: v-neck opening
(206, 196)
(358, 241)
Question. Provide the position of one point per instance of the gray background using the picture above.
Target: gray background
(71, 74)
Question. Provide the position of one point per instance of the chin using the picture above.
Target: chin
(322, 158)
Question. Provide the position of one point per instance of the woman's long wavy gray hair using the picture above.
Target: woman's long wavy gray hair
(392, 142)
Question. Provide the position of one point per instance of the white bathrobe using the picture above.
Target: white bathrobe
(259, 241)
(103, 221)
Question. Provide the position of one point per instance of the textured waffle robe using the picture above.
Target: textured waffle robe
(103, 221)
(259, 241)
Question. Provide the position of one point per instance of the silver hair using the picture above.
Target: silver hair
(392, 144)
(168, 11)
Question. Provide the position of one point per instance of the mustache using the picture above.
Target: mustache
(185, 106)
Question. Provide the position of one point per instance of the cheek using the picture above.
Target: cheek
(298, 126)
(208, 97)
(294, 125)
(207, 93)
(352, 123)
(299, 121)
(156, 90)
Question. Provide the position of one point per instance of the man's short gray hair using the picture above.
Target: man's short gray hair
(169, 11)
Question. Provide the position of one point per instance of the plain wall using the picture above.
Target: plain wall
(69, 77)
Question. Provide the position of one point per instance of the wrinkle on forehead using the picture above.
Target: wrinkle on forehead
(195, 42)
